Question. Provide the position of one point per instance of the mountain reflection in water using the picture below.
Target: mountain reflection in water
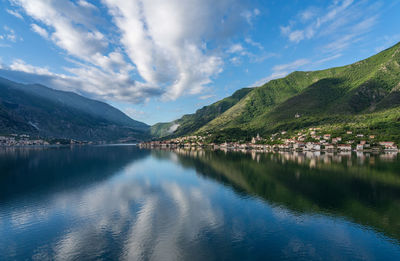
(120, 202)
(362, 188)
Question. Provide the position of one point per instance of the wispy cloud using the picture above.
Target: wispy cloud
(206, 97)
(241, 51)
(15, 13)
(236, 60)
(254, 43)
(9, 35)
(327, 59)
(308, 14)
(291, 66)
(40, 30)
(343, 21)
(20, 65)
(388, 41)
(273, 76)
(282, 70)
(249, 15)
(236, 48)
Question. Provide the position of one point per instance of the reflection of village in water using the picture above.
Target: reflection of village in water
(363, 188)
(355, 191)
(310, 158)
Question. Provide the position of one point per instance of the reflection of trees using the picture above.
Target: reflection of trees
(363, 190)
(46, 169)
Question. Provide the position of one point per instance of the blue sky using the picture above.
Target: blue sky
(159, 59)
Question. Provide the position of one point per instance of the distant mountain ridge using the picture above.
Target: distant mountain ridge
(38, 110)
(363, 95)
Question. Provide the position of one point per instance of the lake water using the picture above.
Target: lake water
(123, 203)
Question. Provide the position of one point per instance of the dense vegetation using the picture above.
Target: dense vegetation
(192, 122)
(40, 111)
(364, 96)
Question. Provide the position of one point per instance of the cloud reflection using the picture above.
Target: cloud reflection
(162, 210)
(152, 220)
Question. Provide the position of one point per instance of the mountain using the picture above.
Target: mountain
(38, 110)
(192, 122)
(364, 96)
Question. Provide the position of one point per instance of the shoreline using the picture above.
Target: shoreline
(252, 150)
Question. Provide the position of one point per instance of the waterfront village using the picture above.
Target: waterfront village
(305, 140)
(27, 140)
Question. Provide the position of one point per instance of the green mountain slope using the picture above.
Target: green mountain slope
(364, 95)
(192, 122)
(41, 111)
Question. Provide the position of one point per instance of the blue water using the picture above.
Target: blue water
(123, 203)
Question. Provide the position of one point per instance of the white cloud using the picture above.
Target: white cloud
(236, 48)
(206, 97)
(291, 66)
(9, 35)
(353, 35)
(388, 41)
(308, 14)
(165, 42)
(296, 36)
(238, 53)
(273, 76)
(20, 65)
(15, 13)
(85, 80)
(72, 27)
(168, 46)
(340, 19)
(249, 15)
(253, 43)
(40, 30)
(327, 59)
(86, 4)
(235, 60)
(280, 71)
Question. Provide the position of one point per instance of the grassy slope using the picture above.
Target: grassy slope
(263, 99)
(192, 122)
(362, 95)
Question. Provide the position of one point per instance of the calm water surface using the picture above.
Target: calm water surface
(123, 203)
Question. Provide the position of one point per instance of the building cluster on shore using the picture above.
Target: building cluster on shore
(20, 140)
(26, 140)
(308, 140)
